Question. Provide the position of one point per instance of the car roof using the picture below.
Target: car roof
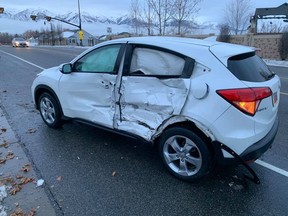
(165, 42)
(195, 48)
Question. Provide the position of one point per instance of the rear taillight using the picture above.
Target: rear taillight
(245, 99)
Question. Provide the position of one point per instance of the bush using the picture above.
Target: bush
(224, 35)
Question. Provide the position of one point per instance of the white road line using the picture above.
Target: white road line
(271, 167)
(23, 60)
(283, 93)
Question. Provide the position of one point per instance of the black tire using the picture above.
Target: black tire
(50, 110)
(185, 154)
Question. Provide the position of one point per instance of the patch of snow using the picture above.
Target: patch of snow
(2, 211)
(40, 182)
(3, 193)
(278, 63)
(211, 38)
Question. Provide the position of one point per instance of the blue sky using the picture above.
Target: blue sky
(211, 10)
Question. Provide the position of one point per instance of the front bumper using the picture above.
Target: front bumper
(21, 44)
(253, 152)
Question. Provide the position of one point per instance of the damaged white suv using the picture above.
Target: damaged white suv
(202, 102)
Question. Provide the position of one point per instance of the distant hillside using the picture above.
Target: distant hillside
(97, 25)
(70, 16)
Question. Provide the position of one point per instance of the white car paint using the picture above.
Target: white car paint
(147, 103)
(146, 106)
(88, 96)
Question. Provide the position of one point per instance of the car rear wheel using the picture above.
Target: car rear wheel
(185, 154)
(49, 110)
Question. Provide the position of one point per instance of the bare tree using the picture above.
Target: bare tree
(148, 16)
(237, 15)
(161, 14)
(135, 15)
(167, 13)
(44, 38)
(52, 33)
(163, 11)
(184, 10)
(30, 33)
(275, 26)
(141, 15)
(6, 38)
(59, 30)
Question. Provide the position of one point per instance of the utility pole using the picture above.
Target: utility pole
(80, 26)
(80, 32)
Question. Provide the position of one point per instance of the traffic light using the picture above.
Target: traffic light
(1, 10)
(48, 18)
(33, 17)
(80, 35)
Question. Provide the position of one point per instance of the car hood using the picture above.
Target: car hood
(52, 73)
(55, 69)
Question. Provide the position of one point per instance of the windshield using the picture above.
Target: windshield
(19, 39)
(249, 67)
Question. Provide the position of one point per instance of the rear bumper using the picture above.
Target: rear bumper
(253, 152)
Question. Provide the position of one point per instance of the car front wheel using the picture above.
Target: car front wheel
(49, 110)
(185, 154)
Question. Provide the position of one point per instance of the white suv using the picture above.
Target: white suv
(190, 97)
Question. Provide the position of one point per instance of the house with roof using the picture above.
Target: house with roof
(72, 38)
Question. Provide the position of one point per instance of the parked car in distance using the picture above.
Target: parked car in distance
(17, 42)
(190, 97)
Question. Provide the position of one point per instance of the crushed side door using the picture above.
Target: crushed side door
(154, 87)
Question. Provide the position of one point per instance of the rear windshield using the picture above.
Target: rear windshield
(249, 67)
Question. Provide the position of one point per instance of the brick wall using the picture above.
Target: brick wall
(266, 43)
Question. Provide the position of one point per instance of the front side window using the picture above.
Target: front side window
(147, 61)
(99, 60)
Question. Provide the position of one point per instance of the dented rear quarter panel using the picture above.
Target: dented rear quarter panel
(147, 102)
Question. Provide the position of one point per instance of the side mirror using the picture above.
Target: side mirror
(66, 68)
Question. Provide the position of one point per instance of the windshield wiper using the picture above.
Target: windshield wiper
(271, 75)
(266, 75)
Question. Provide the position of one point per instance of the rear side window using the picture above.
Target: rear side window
(155, 62)
(249, 67)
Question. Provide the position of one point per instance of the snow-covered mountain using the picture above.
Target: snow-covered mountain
(72, 17)
(13, 21)
(17, 22)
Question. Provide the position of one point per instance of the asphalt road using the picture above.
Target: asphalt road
(92, 172)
